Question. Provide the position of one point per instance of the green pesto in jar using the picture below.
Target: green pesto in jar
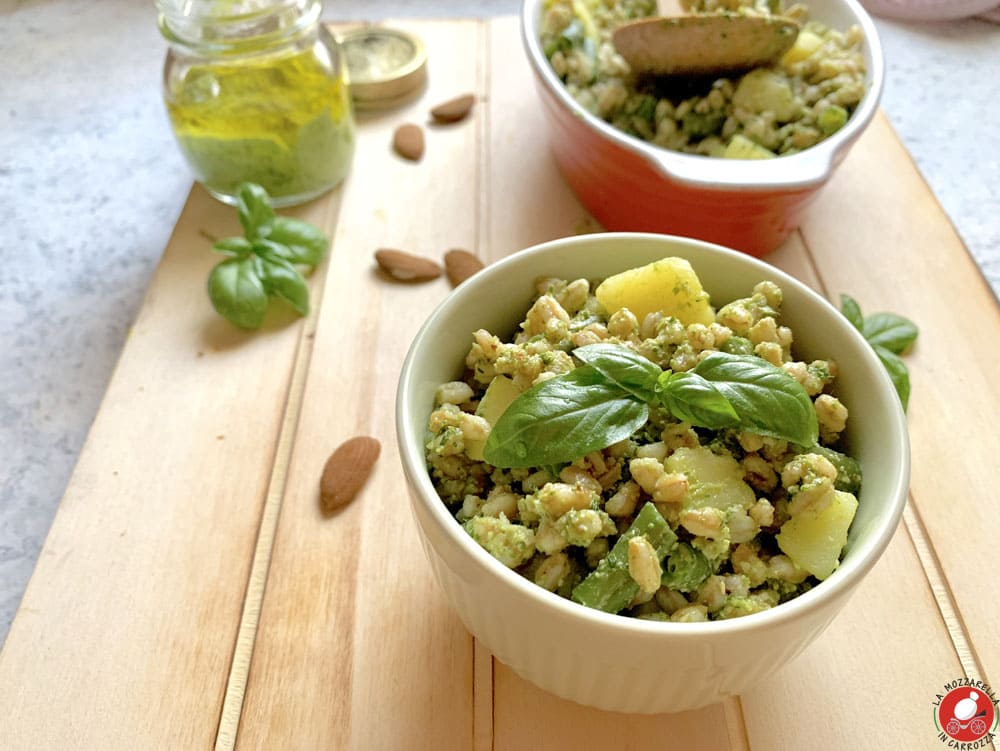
(280, 120)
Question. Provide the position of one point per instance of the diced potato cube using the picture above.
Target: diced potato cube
(741, 147)
(668, 285)
(582, 12)
(764, 90)
(815, 540)
(806, 43)
(713, 480)
(499, 394)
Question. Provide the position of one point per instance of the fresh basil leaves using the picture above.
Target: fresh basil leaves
(608, 398)
(690, 397)
(564, 418)
(623, 367)
(297, 241)
(766, 399)
(237, 292)
(889, 330)
(264, 263)
(890, 335)
(253, 206)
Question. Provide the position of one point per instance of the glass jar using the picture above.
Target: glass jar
(256, 91)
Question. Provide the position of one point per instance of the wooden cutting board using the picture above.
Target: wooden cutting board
(190, 594)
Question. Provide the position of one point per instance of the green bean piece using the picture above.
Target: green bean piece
(610, 587)
(832, 119)
(737, 345)
(686, 569)
(848, 468)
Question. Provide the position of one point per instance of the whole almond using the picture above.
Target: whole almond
(460, 265)
(454, 109)
(406, 267)
(408, 140)
(346, 470)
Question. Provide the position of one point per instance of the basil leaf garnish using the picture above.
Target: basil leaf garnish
(897, 370)
(234, 246)
(767, 399)
(622, 366)
(280, 278)
(254, 208)
(894, 332)
(692, 398)
(264, 262)
(237, 292)
(852, 311)
(889, 335)
(562, 419)
(303, 243)
(268, 249)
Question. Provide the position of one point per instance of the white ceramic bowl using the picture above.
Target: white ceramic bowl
(633, 185)
(611, 661)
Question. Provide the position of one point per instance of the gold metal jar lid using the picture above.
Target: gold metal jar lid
(385, 65)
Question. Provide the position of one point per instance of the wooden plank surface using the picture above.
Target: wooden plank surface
(904, 256)
(342, 589)
(193, 508)
(127, 626)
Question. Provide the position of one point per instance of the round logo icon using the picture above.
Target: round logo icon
(966, 713)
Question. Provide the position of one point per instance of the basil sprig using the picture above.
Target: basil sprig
(564, 418)
(264, 263)
(623, 367)
(694, 399)
(766, 399)
(607, 399)
(890, 335)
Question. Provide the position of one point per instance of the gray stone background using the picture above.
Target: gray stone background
(91, 184)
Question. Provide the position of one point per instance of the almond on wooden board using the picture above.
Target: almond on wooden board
(406, 267)
(346, 470)
(454, 109)
(460, 265)
(408, 141)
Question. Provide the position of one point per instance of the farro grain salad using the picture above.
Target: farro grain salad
(640, 452)
(775, 110)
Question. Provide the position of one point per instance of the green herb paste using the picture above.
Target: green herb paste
(282, 121)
